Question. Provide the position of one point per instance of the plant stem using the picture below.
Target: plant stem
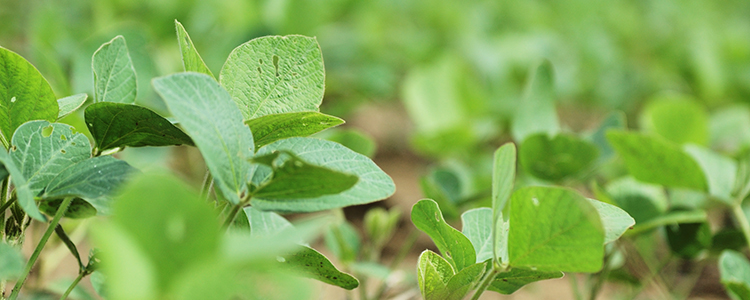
(4, 207)
(486, 281)
(208, 183)
(74, 284)
(38, 250)
(232, 215)
(576, 289)
(739, 215)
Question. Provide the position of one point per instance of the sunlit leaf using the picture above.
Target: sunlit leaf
(453, 245)
(270, 128)
(191, 60)
(70, 104)
(114, 75)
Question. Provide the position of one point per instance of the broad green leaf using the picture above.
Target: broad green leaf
(191, 60)
(44, 149)
(536, 112)
(70, 104)
(509, 282)
(614, 220)
(735, 273)
(719, 171)
(275, 74)
(295, 178)
(78, 209)
(653, 160)
(554, 229)
(688, 240)
(124, 125)
(455, 247)
(23, 191)
(131, 274)
(614, 120)
(676, 118)
(443, 190)
(641, 201)
(373, 184)
(477, 227)
(114, 75)
(354, 139)
(24, 95)
(265, 223)
(558, 157)
(174, 228)
(270, 128)
(94, 180)
(433, 274)
(11, 262)
(310, 263)
(465, 281)
(207, 114)
(503, 176)
(674, 217)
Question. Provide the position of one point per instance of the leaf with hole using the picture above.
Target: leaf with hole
(453, 245)
(373, 184)
(208, 115)
(70, 104)
(24, 95)
(116, 125)
(275, 74)
(191, 60)
(270, 128)
(114, 75)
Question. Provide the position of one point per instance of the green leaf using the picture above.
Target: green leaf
(729, 128)
(275, 74)
(11, 262)
(124, 125)
(130, 272)
(357, 140)
(294, 178)
(270, 128)
(650, 159)
(310, 263)
(3, 172)
(735, 273)
(265, 223)
(614, 120)
(78, 209)
(673, 217)
(719, 171)
(477, 227)
(373, 184)
(24, 95)
(640, 200)
(536, 113)
(433, 274)
(60, 232)
(503, 175)
(191, 60)
(456, 248)
(98, 282)
(556, 158)
(554, 229)
(342, 239)
(465, 281)
(688, 240)
(23, 191)
(70, 104)
(614, 220)
(509, 282)
(676, 118)
(207, 114)
(174, 228)
(114, 75)
(441, 189)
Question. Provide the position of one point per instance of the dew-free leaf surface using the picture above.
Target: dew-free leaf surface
(70, 104)
(509, 282)
(23, 192)
(453, 245)
(11, 262)
(477, 227)
(536, 113)
(310, 263)
(615, 220)
(295, 178)
(208, 115)
(270, 128)
(735, 273)
(275, 74)
(558, 157)
(114, 75)
(676, 118)
(720, 171)
(433, 274)
(191, 60)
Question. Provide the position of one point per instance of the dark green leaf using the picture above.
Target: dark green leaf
(211, 119)
(310, 263)
(24, 95)
(442, 190)
(687, 240)
(650, 159)
(114, 75)
(509, 282)
(454, 246)
(124, 125)
(536, 113)
(275, 74)
(70, 104)
(270, 128)
(556, 158)
(78, 209)
(295, 178)
(191, 60)
(60, 232)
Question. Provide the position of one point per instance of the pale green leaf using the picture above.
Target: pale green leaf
(433, 274)
(615, 220)
(673, 217)
(653, 160)
(70, 104)
(11, 262)
(676, 118)
(208, 115)
(477, 227)
(735, 273)
(265, 223)
(720, 171)
(24, 95)
(310, 263)
(114, 75)
(453, 245)
(509, 282)
(503, 176)
(554, 229)
(536, 112)
(23, 192)
(191, 60)
(270, 128)
(373, 184)
(131, 274)
(275, 74)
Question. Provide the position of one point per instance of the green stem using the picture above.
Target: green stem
(208, 183)
(232, 215)
(486, 281)
(38, 250)
(73, 285)
(5, 206)
(739, 215)
(577, 295)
